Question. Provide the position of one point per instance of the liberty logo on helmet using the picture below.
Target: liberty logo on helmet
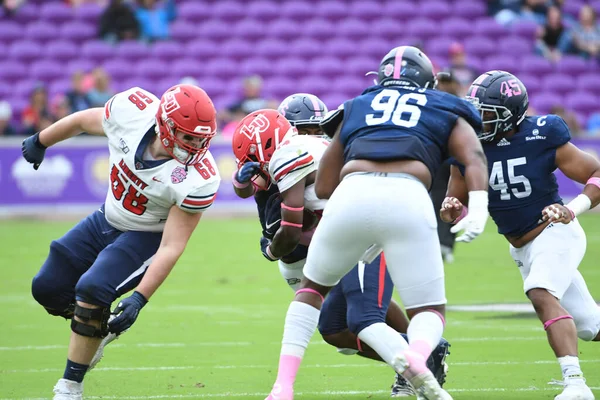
(171, 104)
(258, 124)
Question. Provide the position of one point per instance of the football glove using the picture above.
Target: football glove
(127, 312)
(474, 222)
(247, 171)
(33, 151)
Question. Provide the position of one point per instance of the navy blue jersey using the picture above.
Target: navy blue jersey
(403, 123)
(521, 169)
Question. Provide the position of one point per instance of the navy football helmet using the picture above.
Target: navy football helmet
(502, 100)
(303, 110)
(406, 66)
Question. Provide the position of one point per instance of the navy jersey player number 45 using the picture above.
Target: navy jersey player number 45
(546, 240)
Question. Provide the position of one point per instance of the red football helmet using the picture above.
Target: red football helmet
(188, 111)
(257, 136)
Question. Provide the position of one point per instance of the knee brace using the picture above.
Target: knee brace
(87, 315)
(67, 313)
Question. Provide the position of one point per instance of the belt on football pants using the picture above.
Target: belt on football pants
(386, 175)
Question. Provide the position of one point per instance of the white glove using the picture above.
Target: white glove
(474, 222)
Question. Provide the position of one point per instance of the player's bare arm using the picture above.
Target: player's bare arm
(580, 167)
(89, 121)
(292, 211)
(179, 227)
(328, 174)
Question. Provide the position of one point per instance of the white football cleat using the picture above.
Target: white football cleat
(422, 379)
(402, 388)
(575, 389)
(100, 352)
(68, 390)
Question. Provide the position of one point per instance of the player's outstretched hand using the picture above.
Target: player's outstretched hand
(33, 151)
(264, 244)
(474, 222)
(247, 171)
(557, 213)
(127, 312)
(451, 209)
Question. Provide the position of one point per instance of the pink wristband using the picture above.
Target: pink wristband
(594, 181)
(238, 184)
(313, 291)
(291, 208)
(291, 224)
(463, 213)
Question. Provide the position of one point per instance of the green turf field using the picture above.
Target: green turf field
(213, 329)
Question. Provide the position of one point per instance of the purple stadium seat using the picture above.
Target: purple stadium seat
(490, 28)
(435, 9)
(470, 10)
(532, 82)
(319, 28)
(97, 50)
(24, 50)
(589, 82)
(228, 11)
(515, 46)
(187, 67)
(3, 48)
(225, 101)
(78, 31)
(40, 31)
(526, 30)
(89, 12)
(46, 70)
(139, 81)
(164, 84)
(270, 48)
(279, 87)
(151, 68)
(221, 67)
(314, 84)
(359, 66)
(558, 83)
(6, 90)
(340, 47)
(353, 28)
(132, 50)
(10, 31)
(595, 5)
(573, 65)
(80, 64)
(480, 47)
(352, 85)
(572, 7)
(439, 46)
(373, 47)
(544, 101)
(237, 49)
(59, 86)
(202, 49)
(298, 10)
(284, 29)
(57, 12)
(332, 10)
(366, 10)
(290, 66)
(166, 50)
(194, 11)
(18, 105)
(23, 88)
(119, 68)
(401, 11)
(423, 28)
(387, 28)
(27, 12)
(183, 31)
(248, 29)
(458, 28)
(334, 100)
(213, 87)
(326, 66)
(256, 66)
(582, 102)
(12, 70)
(503, 62)
(536, 65)
(262, 10)
(307, 48)
(61, 50)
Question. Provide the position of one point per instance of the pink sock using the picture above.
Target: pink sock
(286, 376)
(421, 347)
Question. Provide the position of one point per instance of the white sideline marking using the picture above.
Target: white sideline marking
(326, 392)
(369, 365)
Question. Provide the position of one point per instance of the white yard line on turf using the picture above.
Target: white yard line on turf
(322, 393)
(366, 365)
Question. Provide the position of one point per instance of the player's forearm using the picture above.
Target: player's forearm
(592, 189)
(244, 192)
(285, 241)
(159, 269)
(476, 174)
(89, 121)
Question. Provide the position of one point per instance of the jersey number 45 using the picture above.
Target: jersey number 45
(498, 183)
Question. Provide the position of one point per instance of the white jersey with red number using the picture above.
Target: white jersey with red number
(294, 160)
(142, 192)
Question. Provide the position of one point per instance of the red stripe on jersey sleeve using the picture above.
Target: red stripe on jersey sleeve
(296, 164)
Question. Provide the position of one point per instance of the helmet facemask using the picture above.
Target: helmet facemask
(495, 119)
(185, 146)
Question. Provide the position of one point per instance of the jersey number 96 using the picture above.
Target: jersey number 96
(394, 107)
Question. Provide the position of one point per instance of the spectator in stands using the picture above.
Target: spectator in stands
(6, 128)
(496, 6)
(448, 83)
(154, 19)
(459, 68)
(534, 10)
(570, 118)
(252, 100)
(59, 107)
(78, 98)
(100, 93)
(586, 34)
(553, 38)
(36, 116)
(593, 124)
(118, 22)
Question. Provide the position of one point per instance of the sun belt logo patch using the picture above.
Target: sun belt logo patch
(178, 175)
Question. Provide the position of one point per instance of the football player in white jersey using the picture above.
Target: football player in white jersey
(162, 178)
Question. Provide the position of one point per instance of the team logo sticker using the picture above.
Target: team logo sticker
(388, 70)
(178, 175)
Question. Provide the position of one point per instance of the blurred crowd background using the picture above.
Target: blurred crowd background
(60, 56)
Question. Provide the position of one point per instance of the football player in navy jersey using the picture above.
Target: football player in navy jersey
(364, 295)
(387, 145)
(546, 240)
